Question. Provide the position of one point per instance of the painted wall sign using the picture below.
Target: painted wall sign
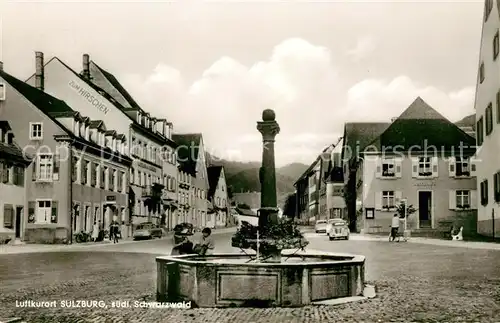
(87, 95)
(426, 184)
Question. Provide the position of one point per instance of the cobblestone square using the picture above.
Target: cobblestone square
(415, 283)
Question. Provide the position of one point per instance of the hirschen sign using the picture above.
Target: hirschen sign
(87, 95)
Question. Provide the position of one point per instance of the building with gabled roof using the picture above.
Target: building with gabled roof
(77, 181)
(420, 157)
(191, 158)
(146, 138)
(218, 214)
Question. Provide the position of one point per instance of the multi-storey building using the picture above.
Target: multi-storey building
(302, 193)
(185, 195)
(13, 165)
(144, 136)
(165, 154)
(79, 173)
(424, 159)
(336, 207)
(487, 105)
(217, 195)
(191, 155)
(357, 136)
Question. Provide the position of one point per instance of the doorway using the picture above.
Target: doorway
(424, 209)
(19, 215)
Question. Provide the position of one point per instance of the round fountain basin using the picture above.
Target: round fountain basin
(226, 280)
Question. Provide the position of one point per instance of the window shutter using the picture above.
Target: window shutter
(53, 216)
(5, 174)
(56, 165)
(452, 200)
(378, 173)
(451, 166)
(398, 166)
(434, 165)
(2, 169)
(414, 167)
(473, 199)
(34, 169)
(8, 214)
(473, 168)
(398, 195)
(378, 200)
(31, 212)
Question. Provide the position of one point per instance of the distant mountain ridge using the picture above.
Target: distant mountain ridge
(244, 176)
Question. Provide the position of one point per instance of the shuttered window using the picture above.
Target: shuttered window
(8, 216)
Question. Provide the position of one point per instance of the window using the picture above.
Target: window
(8, 216)
(111, 179)
(103, 171)
(424, 166)
(18, 176)
(36, 131)
(84, 166)
(479, 132)
(495, 46)
(496, 187)
(487, 9)
(388, 168)
(119, 181)
(462, 166)
(498, 106)
(43, 211)
(484, 192)
(93, 174)
(44, 169)
(2, 91)
(489, 119)
(4, 173)
(388, 199)
(463, 199)
(481, 73)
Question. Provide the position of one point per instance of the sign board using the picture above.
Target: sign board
(110, 199)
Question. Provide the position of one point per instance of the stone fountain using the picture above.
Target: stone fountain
(288, 278)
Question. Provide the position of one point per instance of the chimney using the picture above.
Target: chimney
(1, 66)
(86, 67)
(39, 74)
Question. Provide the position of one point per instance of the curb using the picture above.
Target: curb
(41, 248)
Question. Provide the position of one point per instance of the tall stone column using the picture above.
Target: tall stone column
(269, 128)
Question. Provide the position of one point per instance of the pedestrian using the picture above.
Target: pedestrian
(95, 232)
(394, 226)
(206, 244)
(115, 231)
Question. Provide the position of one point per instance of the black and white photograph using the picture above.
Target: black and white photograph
(242, 161)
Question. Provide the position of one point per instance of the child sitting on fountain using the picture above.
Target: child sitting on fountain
(206, 245)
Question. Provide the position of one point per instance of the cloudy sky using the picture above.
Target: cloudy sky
(213, 66)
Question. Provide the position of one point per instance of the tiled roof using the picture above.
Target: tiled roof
(110, 133)
(422, 126)
(188, 151)
(213, 173)
(112, 79)
(11, 151)
(358, 135)
(43, 101)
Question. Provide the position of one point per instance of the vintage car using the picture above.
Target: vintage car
(320, 226)
(147, 230)
(338, 229)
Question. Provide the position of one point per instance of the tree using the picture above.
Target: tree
(290, 208)
(230, 192)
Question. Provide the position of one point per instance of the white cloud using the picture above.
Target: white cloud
(300, 82)
(381, 100)
(364, 47)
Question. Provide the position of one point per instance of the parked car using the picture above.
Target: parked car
(320, 226)
(329, 224)
(147, 230)
(338, 229)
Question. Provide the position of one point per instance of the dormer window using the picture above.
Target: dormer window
(139, 118)
(146, 122)
(87, 133)
(77, 128)
(10, 138)
(82, 129)
(114, 143)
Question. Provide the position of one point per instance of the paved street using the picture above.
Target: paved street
(415, 282)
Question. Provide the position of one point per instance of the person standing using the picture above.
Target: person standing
(394, 226)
